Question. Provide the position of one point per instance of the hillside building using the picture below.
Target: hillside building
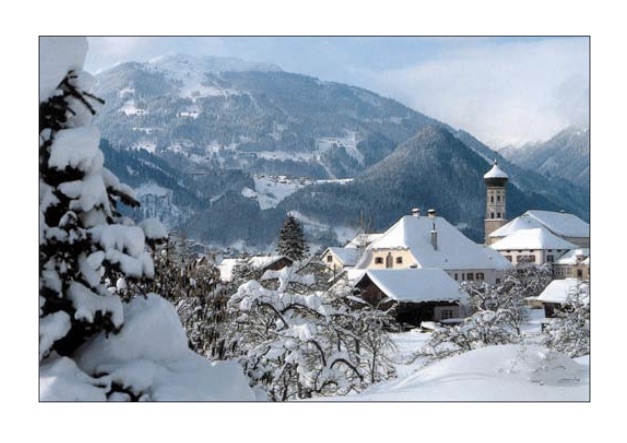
(573, 264)
(564, 225)
(414, 295)
(537, 246)
(416, 242)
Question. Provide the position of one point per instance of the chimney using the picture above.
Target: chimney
(434, 238)
(415, 212)
(431, 213)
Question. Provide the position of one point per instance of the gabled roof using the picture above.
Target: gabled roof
(454, 249)
(261, 262)
(560, 223)
(416, 285)
(362, 240)
(559, 291)
(226, 268)
(536, 238)
(570, 257)
(348, 256)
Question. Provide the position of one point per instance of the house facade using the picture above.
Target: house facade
(536, 246)
(573, 264)
(414, 295)
(566, 226)
(417, 242)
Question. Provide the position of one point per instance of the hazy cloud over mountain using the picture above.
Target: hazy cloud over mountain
(503, 90)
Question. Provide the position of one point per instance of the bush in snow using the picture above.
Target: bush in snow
(305, 345)
(499, 312)
(569, 332)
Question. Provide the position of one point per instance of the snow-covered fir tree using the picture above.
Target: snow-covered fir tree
(292, 243)
(87, 249)
(101, 336)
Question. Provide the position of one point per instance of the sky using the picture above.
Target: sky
(503, 90)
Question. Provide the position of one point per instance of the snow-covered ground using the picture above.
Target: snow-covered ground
(514, 373)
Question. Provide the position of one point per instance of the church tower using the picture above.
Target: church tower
(495, 217)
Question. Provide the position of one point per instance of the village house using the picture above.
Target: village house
(574, 263)
(559, 294)
(417, 241)
(340, 259)
(258, 263)
(537, 246)
(414, 295)
(567, 226)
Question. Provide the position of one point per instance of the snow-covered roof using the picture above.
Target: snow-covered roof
(261, 262)
(558, 291)
(226, 268)
(416, 285)
(560, 223)
(348, 256)
(454, 249)
(362, 240)
(495, 172)
(536, 238)
(570, 257)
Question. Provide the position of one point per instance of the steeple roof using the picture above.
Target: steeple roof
(495, 172)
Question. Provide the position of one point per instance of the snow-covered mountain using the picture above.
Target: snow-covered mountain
(565, 155)
(247, 140)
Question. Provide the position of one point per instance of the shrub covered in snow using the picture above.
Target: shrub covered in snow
(306, 345)
(569, 331)
(499, 312)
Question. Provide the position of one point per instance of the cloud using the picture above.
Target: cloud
(506, 92)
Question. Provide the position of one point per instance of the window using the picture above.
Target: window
(491, 199)
(480, 276)
(445, 314)
(469, 276)
(492, 215)
(329, 258)
(463, 276)
(498, 215)
(498, 198)
(399, 260)
(456, 276)
(378, 260)
(498, 281)
(550, 258)
(508, 257)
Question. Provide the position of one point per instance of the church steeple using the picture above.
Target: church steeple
(495, 214)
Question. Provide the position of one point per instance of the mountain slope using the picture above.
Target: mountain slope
(247, 116)
(434, 169)
(231, 134)
(566, 155)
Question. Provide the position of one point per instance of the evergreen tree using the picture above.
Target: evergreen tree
(90, 256)
(292, 242)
